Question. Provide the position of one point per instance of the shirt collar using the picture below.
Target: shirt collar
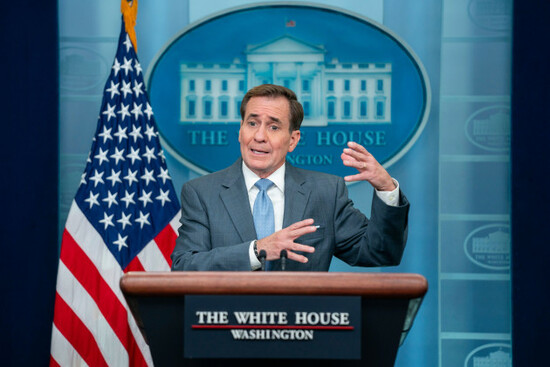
(277, 177)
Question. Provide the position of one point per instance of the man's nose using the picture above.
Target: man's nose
(260, 134)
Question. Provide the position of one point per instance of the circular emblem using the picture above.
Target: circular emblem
(356, 80)
(81, 69)
(492, 15)
(489, 128)
(494, 354)
(489, 246)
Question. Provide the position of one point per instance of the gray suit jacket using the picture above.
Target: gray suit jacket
(217, 226)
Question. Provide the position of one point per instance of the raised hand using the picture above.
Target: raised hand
(370, 170)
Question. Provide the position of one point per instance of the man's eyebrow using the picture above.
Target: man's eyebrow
(274, 119)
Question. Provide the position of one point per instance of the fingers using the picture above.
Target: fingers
(357, 151)
(357, 156)
(300, 224)
(295, 257)
(284, 240)
(352, 178)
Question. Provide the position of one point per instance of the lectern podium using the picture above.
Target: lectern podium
(274, 318)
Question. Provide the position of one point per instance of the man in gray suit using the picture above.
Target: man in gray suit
(313, 217)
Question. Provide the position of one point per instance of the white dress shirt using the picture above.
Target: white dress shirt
(277, 196)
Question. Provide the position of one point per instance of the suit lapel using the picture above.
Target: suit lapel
(296, 196)
(236, 202)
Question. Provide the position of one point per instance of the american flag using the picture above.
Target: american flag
(124, 217)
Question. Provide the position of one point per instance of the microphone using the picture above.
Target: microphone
(284, 256)
(262, 255)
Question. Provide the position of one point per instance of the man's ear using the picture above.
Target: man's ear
(294, 139)
(240, 127)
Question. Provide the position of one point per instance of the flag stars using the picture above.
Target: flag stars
(121, 134)
(143, 219)
(137, 111)
(137, 67)
(111, 199)
(107, 220)
(128, 198)
(92, 200)
(134, 155)
(97, 178)
(127, 66)
(150, 132)
(116, 66)
(126, 88)
(123, 112)
(110, 112)
(164, 175)
(121, 242)
(146, 198)
(113, 89)
(148, 176)
(149, 154)
(163, 197)
(83, 179)
(148, 111)
(114, 177)
(106, 134)
(136, 133)
(117, 155)
(124, 220)
(127, 43)
(137, 88)
(102, 156)
(131, 177)
(161, 155)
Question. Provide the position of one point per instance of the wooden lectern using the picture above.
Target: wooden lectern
(161, 303)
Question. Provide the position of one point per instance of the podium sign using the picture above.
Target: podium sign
(272, 318)
(301, 327)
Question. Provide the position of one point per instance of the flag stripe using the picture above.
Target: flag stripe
(109, 305)
(175, 222)
(167, 241)
(53, 363)
(152, 259)
(86, 309)
(63, 353)
(77, 334)
(87, 238)
(134, 265)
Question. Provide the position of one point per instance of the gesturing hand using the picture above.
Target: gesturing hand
(284, 239)
(369, 169)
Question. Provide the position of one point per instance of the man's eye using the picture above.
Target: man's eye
(251, 123)
(274, 127)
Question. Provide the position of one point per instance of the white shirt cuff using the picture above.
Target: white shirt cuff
(254, 262)
(391, 198)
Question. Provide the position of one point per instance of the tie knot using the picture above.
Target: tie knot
(263, 184)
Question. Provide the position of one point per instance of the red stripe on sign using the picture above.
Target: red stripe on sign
(135, 264)
(166, 241)
(116, 314)
(274, 327)
(76, 333)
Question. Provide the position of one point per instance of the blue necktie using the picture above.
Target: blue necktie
(264, 219)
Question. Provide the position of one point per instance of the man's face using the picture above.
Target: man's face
(265, 135)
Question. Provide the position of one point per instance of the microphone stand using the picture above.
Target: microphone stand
(262, 255)
(284, 256)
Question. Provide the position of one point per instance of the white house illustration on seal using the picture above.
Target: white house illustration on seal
(330, 91)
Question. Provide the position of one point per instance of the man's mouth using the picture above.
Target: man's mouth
(260, 152)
